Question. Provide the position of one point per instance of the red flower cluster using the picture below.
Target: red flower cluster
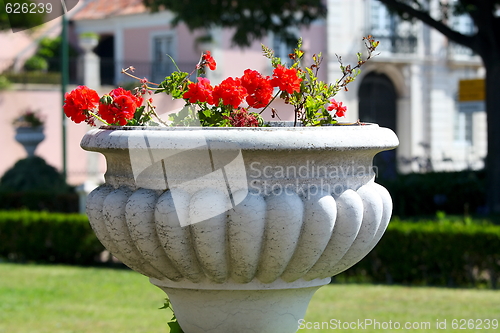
(120, 107)
(230, 92)
(286, 79)
(241, 118)
(199, 92)
(338, 107)
(258, 88)
(253, 87)
(79, 102)
(115, 108)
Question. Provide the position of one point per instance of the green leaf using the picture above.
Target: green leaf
(166, 304)
(174, 85)
(175, 327)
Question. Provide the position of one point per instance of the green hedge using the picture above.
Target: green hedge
(424, 194)
(47, 237)
(445, 252)
(40, 201)
(442, 253)
(34, 77)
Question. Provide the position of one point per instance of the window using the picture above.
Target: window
(463, 127)
(465, 25)
(281, 49)
(163, 45)
(394, 34)
(382, 22)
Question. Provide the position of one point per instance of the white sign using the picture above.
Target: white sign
(469, 107)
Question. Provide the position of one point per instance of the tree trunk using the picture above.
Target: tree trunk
(493, 120)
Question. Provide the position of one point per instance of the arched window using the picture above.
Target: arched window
(377, 104)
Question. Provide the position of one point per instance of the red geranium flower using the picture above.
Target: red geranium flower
(207, 60)
(120, 107)
(340, 109)
(200, 91)
(79, 102)
(258, 87)
(286, 79)
(230, 91)
(241, 118)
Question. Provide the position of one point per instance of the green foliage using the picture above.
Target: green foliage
(173, 325)
(40, 201)
(141, 117)
(174, 85)
(33, 184)
(310, 103)
(88, 34)
(190, 116)
(251, 20)
(36, 63)
(47, 237)
(34, 77)
(443, 252)
(29, 118)
(50, 49)
(424, 194)
(314, 94)
(186, 117)
(4, 83)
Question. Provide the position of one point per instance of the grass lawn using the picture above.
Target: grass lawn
(62, 299)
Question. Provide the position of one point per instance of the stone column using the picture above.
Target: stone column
(89, 66)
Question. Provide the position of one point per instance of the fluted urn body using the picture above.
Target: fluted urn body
(240, 226)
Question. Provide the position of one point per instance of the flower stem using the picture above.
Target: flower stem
(152, 108)
(270, 102)
(173, 61)
(99, 118)
(125, 71)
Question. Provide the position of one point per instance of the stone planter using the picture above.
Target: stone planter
(240, 226)
(29, 137)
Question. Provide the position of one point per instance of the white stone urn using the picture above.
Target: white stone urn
(240, 226)
(30, 138)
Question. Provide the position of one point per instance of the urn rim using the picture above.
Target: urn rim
(340, 138)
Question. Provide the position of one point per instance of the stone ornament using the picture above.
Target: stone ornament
(30, 138)
(245, 252)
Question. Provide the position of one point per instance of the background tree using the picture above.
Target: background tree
(251, 19)
(486, 43)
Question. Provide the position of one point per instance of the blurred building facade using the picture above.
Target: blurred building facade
(410, 87)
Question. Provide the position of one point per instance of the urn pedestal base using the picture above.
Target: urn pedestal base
(269, 310)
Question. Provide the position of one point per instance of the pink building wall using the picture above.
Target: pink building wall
(137, 44)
